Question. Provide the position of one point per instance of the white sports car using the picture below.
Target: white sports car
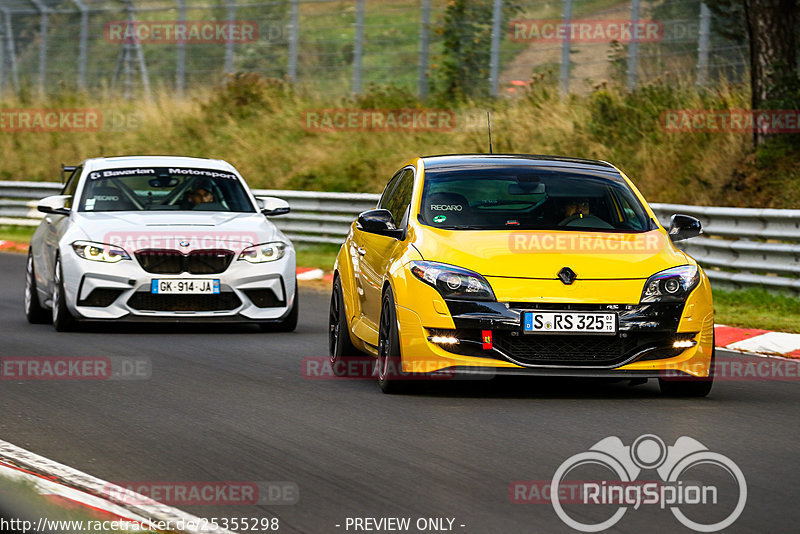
(159, 238)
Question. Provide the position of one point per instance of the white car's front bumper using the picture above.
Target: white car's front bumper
(249, 292)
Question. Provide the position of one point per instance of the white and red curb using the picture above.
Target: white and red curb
(757, 341)
(67, 486)
(307, 273)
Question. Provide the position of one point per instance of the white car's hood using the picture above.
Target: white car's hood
(178, 230)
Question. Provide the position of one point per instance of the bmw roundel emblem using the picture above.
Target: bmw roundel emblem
(184, 243)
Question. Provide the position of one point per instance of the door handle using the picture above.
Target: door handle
(361, 250)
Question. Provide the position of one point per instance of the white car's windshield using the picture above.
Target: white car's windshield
(164, 189)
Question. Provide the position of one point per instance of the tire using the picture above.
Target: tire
(63, 320)
(340, 346)
(689, 387)
(387, 367)
(34, 311)
(289, 322)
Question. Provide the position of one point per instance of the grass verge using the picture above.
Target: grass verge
(262, 126)
(757, 308)
(319, 256)
(18, 234)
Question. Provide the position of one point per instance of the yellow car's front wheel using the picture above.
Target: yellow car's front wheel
(388, 365)
(340, 347)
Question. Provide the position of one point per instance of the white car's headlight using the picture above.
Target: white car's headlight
(99, 252)
(272, 251)
(672, 285)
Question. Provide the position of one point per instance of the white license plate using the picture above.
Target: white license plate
(186, 286)
(596, 323)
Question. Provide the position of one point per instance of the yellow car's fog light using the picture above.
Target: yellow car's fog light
(684, 344)
(443, 340)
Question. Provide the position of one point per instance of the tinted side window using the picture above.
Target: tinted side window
(400, 197)
(387, 193)
(72, 186)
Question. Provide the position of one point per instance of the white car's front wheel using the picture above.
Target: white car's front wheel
(63, 321)
(34, 311)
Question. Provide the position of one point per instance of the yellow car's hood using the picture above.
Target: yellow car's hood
(542, 254)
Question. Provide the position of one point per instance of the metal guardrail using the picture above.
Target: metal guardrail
(741, 246)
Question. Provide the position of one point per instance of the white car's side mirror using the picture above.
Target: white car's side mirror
(55, 204)
(272, 206)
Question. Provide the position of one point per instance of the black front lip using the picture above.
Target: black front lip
(466, 372)
(651, 326)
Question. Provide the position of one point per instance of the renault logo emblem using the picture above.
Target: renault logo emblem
(567, 275)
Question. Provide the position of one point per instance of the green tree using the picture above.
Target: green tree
(463, 71)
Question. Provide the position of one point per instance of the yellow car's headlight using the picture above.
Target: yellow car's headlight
(671, 285)
(99, 252)
(453, 282)
(264, 252)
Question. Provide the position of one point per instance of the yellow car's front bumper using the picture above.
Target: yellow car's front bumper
(692, 321)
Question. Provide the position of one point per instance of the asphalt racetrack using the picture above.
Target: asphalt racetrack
(230, 403)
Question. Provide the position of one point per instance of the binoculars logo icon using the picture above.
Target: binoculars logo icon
(648, 452)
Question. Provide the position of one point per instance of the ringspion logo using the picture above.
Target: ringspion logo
(671, 463)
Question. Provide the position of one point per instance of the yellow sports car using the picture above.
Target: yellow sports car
(519, 264)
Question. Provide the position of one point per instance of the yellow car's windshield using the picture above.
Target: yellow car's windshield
(526, 198)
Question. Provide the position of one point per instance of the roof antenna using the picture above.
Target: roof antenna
(489, 122)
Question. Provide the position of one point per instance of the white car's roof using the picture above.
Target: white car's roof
(157, 161)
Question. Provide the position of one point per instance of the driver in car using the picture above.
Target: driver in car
(575, 209)
(200, 196)
(578, 213)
